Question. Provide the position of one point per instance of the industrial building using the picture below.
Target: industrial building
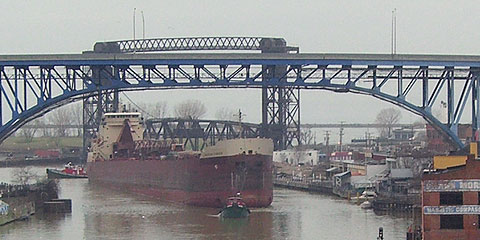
(295, 157)
(450, 199)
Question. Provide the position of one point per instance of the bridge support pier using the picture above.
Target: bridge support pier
(95, 106)
(280, 104)
(103, 101)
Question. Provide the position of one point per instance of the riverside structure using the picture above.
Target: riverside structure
(451, 200)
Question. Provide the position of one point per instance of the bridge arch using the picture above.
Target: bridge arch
(69, 97)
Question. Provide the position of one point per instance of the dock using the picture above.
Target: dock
(19, 202)
(309, 185)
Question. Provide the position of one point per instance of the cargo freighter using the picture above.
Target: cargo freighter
(121, 158)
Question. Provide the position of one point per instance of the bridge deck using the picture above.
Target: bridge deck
(242, 58)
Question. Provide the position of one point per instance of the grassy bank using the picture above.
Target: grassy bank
(19, 144)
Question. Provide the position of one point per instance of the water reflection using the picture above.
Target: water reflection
(101, 213)
(142, 218)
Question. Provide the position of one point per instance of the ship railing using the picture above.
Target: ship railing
(153, 144)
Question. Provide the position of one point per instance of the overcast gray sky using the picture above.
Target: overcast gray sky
(351, 26)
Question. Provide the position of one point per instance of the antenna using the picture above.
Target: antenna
(134, 10)
(143, 25)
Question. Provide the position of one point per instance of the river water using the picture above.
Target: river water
(100, 213)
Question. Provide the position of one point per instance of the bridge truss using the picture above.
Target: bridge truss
(190, 44)
(33, 85)
(195, 134)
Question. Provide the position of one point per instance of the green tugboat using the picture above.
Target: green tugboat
(235, 208)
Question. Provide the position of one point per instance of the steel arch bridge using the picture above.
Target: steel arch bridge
(31, 85)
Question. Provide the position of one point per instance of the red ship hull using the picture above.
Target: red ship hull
(187, 179)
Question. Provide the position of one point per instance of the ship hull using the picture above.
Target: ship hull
(187, 179)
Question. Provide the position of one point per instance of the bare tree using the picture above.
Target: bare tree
(154, 110)
(42, 122)
(24, 175)
(61, 118)
(307, 137)
(387, 118)
(226, 114)
(190, 109)
(77, 117)
(28, 130)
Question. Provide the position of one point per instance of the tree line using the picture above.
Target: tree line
(66, 116)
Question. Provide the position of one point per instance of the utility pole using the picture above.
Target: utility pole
(394, 31)
(367, 139)
(240, 115)
(134, 18)
(143, 25)
(327, 142)
(341, 135)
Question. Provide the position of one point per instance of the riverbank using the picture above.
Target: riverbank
(40, 162)
(379, 204)
(20, 144)
(16, 209)
(17, 152)
(19, 202)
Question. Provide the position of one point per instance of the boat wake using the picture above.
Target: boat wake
(214, 215)
(262, 210)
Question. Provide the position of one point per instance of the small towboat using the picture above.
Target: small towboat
(70, 171)
(235, 208)
(366, 205)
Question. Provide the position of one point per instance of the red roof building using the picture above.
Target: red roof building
(338, 156)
